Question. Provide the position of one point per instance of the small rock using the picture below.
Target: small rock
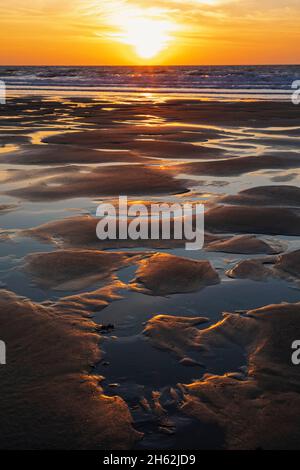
(189, 362)
(236, 375)
(106, 328)
(168, 431)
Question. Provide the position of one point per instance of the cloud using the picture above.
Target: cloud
(239, 23)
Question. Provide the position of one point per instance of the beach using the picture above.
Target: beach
(123, 344)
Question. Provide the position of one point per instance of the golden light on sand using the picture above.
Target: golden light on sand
(148, 35)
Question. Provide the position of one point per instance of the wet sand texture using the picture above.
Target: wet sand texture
(175, 334)
(249, 219)
(246, 244)
(75, 269)
(48, 398)
(259, 409)
(60, 154)
(140, 141)
(94, 301)
(7, 208)
(105, 181)
(53, 150)
(80, 231)
(164, 274)
(77, 231)
(193, 111)
(238, 166)
(267, 196)
(286, 266)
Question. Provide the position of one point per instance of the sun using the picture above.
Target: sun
(147, 35)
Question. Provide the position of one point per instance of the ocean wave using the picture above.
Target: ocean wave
(218, 77)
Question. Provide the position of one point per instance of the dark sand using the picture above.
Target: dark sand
(261, 411)
(105, 181)
(143, 142)
(49, 397)
(175, 334)
(267, 196)
(246, 244)
(80, 231)
(285, 266)
(245, 219)
(164, 274)
(75, 269)
(239, 166)
(256, 409)
(58, 155)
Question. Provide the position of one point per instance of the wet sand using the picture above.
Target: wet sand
(135, 330)
(75, 269)
(49, 377)
(250, 406)
(164, 274)
(285, 266)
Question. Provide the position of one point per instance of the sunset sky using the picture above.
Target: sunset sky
(120, 32)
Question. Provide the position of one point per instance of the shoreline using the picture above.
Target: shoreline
(226, 95)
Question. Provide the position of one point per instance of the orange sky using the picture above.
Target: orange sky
(120, 32)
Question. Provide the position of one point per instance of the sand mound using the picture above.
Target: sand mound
(289, 263)
(259, 410)
(75, 269)
(102, 181)
(7, 208)
(150, 141)
(47, 394)
(250, 269)
(175, 334)
(249, 219)
(94, 301)
(164, 274)
(285, 266)
(240, 165)
(80, 231)
(59, 154)
(246, 244)
(267, 196)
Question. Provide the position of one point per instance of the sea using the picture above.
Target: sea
(248, 81)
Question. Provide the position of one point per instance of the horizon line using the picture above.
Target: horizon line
(155, 65)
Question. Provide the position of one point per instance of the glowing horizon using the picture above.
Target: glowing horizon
(130, 32)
